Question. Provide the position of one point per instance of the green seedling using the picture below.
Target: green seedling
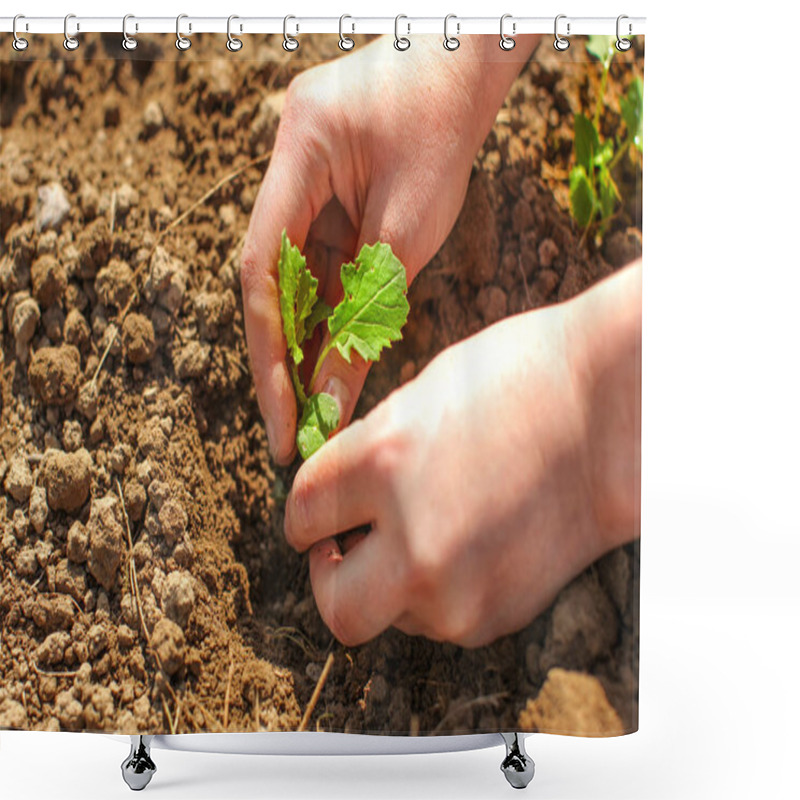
(369, 317)
(593, 193)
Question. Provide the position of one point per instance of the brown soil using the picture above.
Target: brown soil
(146, 582)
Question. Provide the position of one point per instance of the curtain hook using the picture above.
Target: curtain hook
(290, 44)
(506, 42)
(560, 44)
(181, 42)
(128, 42)
(450, 43)
(19, 44)
(345, 42)
(623, 44)
(401, 43)
(233, 44)
(70, 42)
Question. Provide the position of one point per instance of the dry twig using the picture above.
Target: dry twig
(312, 703)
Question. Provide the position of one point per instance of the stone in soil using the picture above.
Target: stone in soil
(138, 339)
(106, 540)
(19, 480)
(52, 206)
(170, 645)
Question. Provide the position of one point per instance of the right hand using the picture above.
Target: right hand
(377, 145)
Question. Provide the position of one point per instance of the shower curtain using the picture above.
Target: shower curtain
(320, 385)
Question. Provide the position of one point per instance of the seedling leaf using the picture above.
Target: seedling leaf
(581, 196)
(602, 48)
(320, 418)
(586, 143)
(298, 299)
(374, 308)
(630, 107)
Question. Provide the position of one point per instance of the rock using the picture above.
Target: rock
(571, 703)
(213, 311)
(54, 613)
(76, 329)
(97, 638)
(177, 598)
(38, 510)
(169, 644)
(77, 543)
(584, 626)
(49, 279)
(120, 457)
(19, 524)
(72, 435)
(106, 540)
(52, 206)
(138, 339)
(135, 499)
(12, 714)
(19, 480)
(23, 323)
(162, 267)
(114, 284)
(173, 521)
(68, 478)
(192, 360)
(126, 636)
(51, 650)
(69, 711)
(54, 374)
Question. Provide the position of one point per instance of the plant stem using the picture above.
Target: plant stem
(298, 384)
(599, 103)
(328, 347)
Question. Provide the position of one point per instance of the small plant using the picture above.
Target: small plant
(592, 190)
(369, 318)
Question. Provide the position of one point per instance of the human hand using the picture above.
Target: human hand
(505, 468)
(377, 145)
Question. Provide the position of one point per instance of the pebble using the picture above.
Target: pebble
(72, 435)
(153, 117)
(86, 403)
(23, 324)
(68, 478)
(52, 206)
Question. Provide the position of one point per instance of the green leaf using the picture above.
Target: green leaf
(604, 154)
(607, 193)
(630, 107)
(581, 196)
(602, 48)
(320, 418)
(300, 307)
(586, 142)
(374, 308)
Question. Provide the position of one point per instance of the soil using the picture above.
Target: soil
(146, 582)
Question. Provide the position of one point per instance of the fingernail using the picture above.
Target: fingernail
(337, 389)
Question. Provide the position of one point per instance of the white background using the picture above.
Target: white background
(720, 606)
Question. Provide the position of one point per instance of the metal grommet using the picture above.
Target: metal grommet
(506, 42)
(345, 42)
(400, 42)
(290, 44)
(233, 44)
(623, 44)
(128, 42)
(19, 44)
(181, 42)
(450, 42)
(70, 42)
(559, 43)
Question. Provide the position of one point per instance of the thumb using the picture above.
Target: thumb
(295, 185)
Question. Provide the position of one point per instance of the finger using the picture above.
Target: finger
(295, 187)
(334, 491)
(371, 570)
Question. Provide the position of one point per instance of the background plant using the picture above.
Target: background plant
(593, 193)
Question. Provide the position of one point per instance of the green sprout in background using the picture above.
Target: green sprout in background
(593, 193)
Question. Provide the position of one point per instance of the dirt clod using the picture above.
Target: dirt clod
(67, 477)
(106, 540)
(55, 373)
(77, 543)
(138, 339)
(49, 279)
(169, 642)
(19, 480)
(178, 597)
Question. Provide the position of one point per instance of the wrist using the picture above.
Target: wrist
(604, 342)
